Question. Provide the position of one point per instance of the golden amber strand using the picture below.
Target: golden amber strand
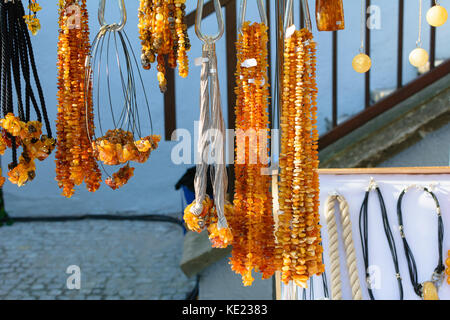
(237, 221)
(74, 158)
(31, 19)
(93, 179)
(146, 17)
(252, 222)
(183, 40)
(447, 271)
(161, 75)
(62, 152)
(172, 39)
(266, 231)
(163, 35)
(315, 157)
(298, 235)
(283, 233)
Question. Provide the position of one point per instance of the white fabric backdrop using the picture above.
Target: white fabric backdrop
(420, 220)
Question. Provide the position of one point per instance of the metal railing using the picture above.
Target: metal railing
(338, 130)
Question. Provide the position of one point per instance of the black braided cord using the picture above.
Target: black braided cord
(16, 59)
(412, 266)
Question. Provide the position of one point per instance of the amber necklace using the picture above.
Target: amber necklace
(427, 290)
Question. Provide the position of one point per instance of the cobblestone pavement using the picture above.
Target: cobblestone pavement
(118, 260)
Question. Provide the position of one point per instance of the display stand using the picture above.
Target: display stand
(420, 227)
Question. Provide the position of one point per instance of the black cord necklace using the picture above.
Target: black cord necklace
(364, 235)
(427, 289)
(17, 68)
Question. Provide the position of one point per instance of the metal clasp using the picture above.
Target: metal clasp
(372, 185)
(262, 13)
(438, 278)
(198, 21)
(114, 26)
(289, 15)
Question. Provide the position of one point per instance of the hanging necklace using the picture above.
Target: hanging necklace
(364, 234)
(419, 56)
(252, 222)
(75, 161)
(427, 290)
(361, 62)
(298, 249)
(21, 92)
(126, 142)
(202, 213)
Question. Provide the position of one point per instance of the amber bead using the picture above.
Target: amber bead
(330, 15)
(430, 291)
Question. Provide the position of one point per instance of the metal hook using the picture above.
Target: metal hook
(114, 26)
(288, 16)
(198, 21)
(261, 9)
(307, 15)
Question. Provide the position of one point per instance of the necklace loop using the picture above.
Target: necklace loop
(114, 26)
(262, 13)
(198, 21)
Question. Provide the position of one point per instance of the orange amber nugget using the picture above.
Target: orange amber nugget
(120, 178)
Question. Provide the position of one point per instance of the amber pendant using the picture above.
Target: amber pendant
(430, 291)
(330, 15)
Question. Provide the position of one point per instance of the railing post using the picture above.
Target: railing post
(335, 79)
(170, 116)
(432, 44)
(367, 74)
(401, 7)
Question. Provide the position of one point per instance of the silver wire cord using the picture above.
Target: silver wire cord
(111, 42)
(419, 40)
(363, 20)
(200, 180)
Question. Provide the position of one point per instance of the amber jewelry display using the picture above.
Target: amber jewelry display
(124, 142)
(299, 250)
(75, 161)
(252, 222)
(17, 68)
(164, 37)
